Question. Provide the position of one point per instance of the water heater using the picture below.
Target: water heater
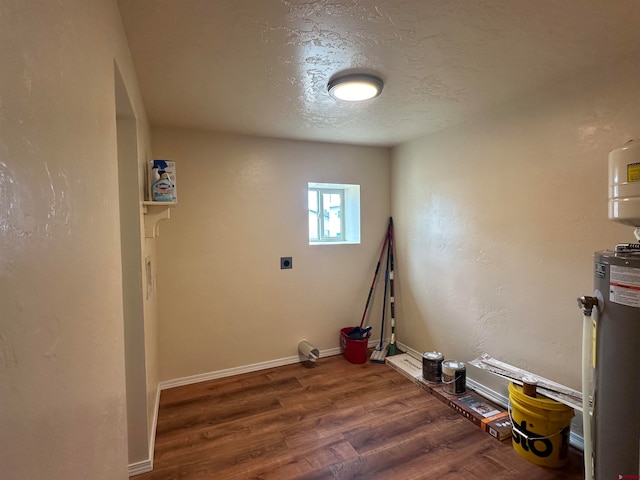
(615, 424)
(616, 399)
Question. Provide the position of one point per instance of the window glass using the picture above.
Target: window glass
(334, 213)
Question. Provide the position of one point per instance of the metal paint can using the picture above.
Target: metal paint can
(432, 367)
(454, 377)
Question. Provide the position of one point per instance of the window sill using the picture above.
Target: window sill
(334, 243)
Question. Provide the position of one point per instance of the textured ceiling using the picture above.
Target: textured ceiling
(261, 67)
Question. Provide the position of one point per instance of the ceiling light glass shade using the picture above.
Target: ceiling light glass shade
(355, 88)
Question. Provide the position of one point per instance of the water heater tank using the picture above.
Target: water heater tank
(616, 415)
(624, 184)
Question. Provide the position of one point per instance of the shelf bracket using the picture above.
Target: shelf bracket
(154, 213)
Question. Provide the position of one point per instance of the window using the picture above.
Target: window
(334, 213)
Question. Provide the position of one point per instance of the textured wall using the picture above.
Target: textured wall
(497, 221)
(62, 390)
(224, 302)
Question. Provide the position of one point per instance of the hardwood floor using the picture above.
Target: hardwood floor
(333, 421)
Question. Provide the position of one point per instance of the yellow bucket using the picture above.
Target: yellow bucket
(541, 428)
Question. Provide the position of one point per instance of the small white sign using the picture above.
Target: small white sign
(624, 286)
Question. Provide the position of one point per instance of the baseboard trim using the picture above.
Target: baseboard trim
(229, 372)
(254, 367)
(146, 466)
(575, 440)
(137, 468)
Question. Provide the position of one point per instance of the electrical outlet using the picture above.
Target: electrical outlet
(286, 263)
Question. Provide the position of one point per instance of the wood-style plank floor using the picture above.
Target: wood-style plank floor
(336, 420)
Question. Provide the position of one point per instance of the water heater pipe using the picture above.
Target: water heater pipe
(586, 408)
(587, 304)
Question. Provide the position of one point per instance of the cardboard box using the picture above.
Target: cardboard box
(490, 417)
(500, 427)
(406, 365)
(477, 407)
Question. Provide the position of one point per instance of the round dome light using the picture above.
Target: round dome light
(355, 88)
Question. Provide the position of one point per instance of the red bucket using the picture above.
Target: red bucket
(353, 350)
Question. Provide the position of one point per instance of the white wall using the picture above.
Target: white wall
(62, 390)
(224, 302)
(497, 221)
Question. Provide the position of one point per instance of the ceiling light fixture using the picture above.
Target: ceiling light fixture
(355, 87)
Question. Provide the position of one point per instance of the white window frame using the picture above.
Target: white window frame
(322, 237)
(350, 213)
